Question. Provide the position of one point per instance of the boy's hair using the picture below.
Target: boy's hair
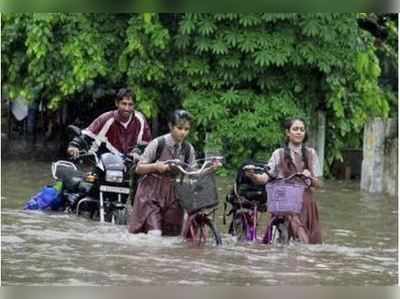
(180, 115)
(124, 93)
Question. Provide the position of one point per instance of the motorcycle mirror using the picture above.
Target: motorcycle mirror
(74, 130)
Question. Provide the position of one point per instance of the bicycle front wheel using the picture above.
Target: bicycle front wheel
(241, 227)
(200, 230)
(214, 232)
(280, 232)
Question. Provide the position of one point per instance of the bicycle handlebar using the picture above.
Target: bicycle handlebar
(306, 179)
(180, 165)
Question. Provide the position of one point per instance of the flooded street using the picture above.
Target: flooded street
(359, 231)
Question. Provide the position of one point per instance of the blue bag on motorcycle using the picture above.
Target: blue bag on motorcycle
(48, 197)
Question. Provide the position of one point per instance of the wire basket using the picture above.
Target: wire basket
(285, 197)
(197, 193)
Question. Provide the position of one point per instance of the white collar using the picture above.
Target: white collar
(171, 141)
(296, 148)
(125, 124)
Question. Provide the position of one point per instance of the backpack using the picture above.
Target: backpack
(160, 147)
(185, 149)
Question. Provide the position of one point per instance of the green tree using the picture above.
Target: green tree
(240, 75)
(63, 57)
(247, 73)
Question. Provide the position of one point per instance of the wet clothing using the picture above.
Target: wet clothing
(122, 136)
(308, 220)
(155, 205)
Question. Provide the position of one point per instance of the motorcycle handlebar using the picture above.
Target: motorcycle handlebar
(84, 154)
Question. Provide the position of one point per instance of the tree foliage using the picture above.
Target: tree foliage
(240, 75)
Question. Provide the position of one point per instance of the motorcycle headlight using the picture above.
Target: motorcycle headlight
(114, 176)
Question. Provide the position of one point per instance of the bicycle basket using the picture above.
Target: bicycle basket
(285, 197)
(197, 193)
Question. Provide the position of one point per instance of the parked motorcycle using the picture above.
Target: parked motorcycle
(102, 192)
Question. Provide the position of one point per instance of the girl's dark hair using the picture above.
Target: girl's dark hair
(124, 93)
(287, 157)
(180, 115)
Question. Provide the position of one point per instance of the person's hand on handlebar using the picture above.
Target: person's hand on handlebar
(73, 152)
(310, 179)
(161, 167)
(134, 156)
(216, 164)
(258, 179)
(306, 173)
(250, 173)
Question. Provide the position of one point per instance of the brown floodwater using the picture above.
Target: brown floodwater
(360, 244)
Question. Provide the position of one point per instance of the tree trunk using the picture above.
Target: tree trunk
(379, 165)
(321, 139)
(317, 132)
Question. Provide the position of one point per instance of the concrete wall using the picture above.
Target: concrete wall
(379, 165)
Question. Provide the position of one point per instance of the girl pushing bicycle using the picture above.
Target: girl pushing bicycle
(156, 209)
(295, 159)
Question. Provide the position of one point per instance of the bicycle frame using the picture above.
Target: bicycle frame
(245, 210)
(206, 166)
(248, 218)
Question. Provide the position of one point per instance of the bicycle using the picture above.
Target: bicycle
(197, 194)
(247, 201)
(281, 197)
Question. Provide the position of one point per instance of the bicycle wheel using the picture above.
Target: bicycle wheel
(240, 226)
(195, 232)
(213, 230)
(191, 230)
(198, 229)
(280, 232)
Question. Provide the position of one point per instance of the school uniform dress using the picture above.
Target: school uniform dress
(309, 217)
(155, 205)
